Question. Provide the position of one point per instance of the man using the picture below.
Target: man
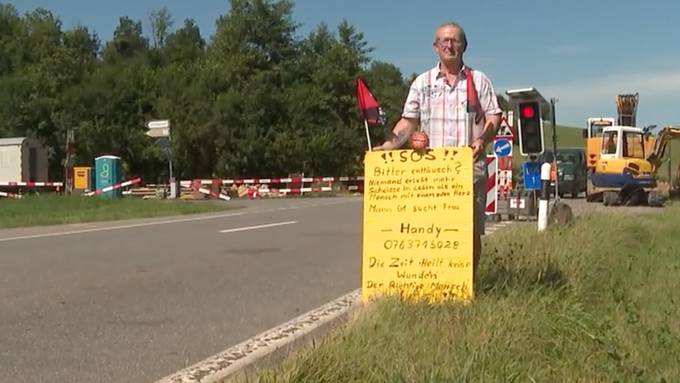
(437, 103)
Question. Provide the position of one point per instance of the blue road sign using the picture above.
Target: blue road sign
(532, 175)
(502, 147)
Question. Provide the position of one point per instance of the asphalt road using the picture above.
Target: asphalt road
(580, 206)
(137, 300)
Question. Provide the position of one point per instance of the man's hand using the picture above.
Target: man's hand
(477, 149)
(489, 132)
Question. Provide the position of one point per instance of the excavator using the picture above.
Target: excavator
(623, 159)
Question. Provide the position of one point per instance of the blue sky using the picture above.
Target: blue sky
(581, 52)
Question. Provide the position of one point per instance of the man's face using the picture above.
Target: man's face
(449, 44)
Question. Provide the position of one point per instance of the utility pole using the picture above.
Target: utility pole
(69, 158)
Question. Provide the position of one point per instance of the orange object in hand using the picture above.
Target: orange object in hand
(419, 141)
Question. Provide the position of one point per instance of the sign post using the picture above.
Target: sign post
(418, 224)
(160, 129)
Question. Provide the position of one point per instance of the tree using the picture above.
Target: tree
(128, 42)
(255, 101)
(12, 39)
(161, 22)
(185, 45)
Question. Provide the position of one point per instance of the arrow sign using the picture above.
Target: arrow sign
(158, 133)
(158, 124)
(502, 147)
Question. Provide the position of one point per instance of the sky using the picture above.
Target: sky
(580, 52)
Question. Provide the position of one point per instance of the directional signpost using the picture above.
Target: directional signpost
(160, 129)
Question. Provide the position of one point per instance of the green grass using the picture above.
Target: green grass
(594, 302)
(53, 209)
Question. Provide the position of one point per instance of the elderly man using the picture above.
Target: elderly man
(455, 106)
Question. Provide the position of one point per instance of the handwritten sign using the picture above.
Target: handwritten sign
(418, 224)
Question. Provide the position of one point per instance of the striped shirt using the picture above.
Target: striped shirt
(442, 108)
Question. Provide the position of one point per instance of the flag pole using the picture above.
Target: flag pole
(368, 136)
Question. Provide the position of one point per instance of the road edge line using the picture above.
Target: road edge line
(271, 346)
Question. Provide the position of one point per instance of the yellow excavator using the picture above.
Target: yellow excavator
(622, 159)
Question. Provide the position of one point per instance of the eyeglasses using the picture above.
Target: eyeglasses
(448, 42)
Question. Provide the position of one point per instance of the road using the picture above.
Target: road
(137, 300)
(580, 206)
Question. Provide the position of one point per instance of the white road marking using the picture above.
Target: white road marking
(257, 227)
(131, 226)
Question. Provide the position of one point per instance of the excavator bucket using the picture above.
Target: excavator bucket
(626, 108)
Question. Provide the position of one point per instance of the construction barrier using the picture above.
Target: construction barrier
(32, 184)
(491, 185)
(253, 188)
(114, 187)
(9, 195)
(269, 181)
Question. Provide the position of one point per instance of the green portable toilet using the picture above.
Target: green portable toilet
(107, 173)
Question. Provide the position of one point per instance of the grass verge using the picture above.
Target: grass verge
(53, 209)
(594, 302)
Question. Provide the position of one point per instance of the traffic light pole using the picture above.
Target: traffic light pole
(554, 139)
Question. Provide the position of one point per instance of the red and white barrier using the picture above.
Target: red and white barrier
(259, 187)
(298, 190)
(491, 185)
(31, 184)
(9, 195)
(268, 181)
(216, 195)
(504, 175)
(115, 187)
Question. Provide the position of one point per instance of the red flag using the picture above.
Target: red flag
(368, 105)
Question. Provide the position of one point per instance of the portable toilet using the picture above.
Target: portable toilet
(108, 173)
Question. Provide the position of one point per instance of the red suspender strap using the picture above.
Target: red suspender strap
(473, 104)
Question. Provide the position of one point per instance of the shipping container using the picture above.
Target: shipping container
(22, 159)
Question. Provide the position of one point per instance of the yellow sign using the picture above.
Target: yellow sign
(418, 222)
(81, 177)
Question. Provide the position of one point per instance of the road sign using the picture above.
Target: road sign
(158, 124)
(532, 175)
(502, 147)
(505, 129)
(158, 133)
(158, 128)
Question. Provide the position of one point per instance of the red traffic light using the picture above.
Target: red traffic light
(527, 111)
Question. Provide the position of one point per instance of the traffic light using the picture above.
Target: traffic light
(530, 128)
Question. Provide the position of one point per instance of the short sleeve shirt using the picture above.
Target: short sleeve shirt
(441, 108)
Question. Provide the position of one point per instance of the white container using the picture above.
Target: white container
(22, 159)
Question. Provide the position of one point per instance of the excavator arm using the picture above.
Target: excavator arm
(658, 153)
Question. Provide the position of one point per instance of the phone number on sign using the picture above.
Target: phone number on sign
(406, 244)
